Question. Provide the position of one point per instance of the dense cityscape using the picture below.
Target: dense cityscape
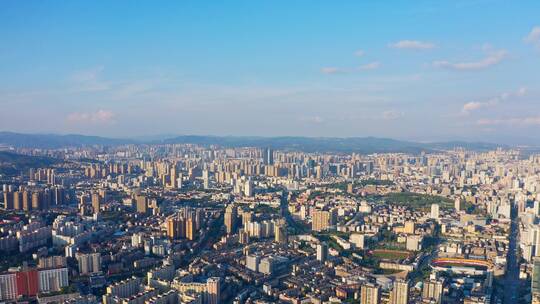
(258, 152)
(184, 223)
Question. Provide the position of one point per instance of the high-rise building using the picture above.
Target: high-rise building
(172, 228)
(89, 263)
(535, 281)
(230, 218)
(458, 204)
(27, 283)
(400, 292)
(8, 287)
(37, 201)
(435, 213)
(17, 200)
(213, 290)
(248, 188)
(176, 227)
(323, 219)
(53, 280)
(268, 156)
(206, 178)
(433, 290)
(409, 227)
(173, 177)
(26, 201)
(142, 204)
(59, 196)
(322, 252)
(280, 233)
(191, 231)
(243, 236)
(8, 200)
(122, 289)
(246, 218)
(96, 202)
(370, 294)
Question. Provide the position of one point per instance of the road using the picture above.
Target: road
(511, 280)
(299, 228)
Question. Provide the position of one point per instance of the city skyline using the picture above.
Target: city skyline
(461, 71)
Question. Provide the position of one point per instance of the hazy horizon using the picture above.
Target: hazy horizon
(303, 68)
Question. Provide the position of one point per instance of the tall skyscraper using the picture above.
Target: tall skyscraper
(172, 177)
(172, 228)
(433, 290)
(535, 281)
(322, 219)
(89, 263)
(370, 294)
(190, 228)
(400, 292)
(96, 202)
(213, 290)
(322, 252)
(142, 204)
(268, 156)
(458, 204)
(8, 200)
(435, 213)
(230, 218)
(280, 233)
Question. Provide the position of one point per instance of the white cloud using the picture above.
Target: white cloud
(514, 121)
(359, 53)
(475, 105)
(392, 115)
(521, 91)
(370, 66)
(533, 37)
(493, 57)
(412, 45)
(100, 116)
(332, 70)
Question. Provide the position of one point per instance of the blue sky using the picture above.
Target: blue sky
(417, 70)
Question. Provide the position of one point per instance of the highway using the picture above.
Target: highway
(511, 280)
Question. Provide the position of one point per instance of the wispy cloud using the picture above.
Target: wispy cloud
(359, 53)
(475, 105)
(513, 121)
(370, 66)
(533, 37)
(492, 58)
(88, 80)
(100, 116)
(332, 70)
(412, 45)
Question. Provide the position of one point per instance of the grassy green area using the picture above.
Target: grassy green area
(416, 200)
(387, 271)
(374, 182)
(361, 183)
(114, 216)
(13, 259)
(389, 254)
(387, 240)
(13, 163)
(265, 209)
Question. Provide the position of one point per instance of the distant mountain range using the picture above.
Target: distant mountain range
(13, 163)
(55, 141)
(307, 144)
